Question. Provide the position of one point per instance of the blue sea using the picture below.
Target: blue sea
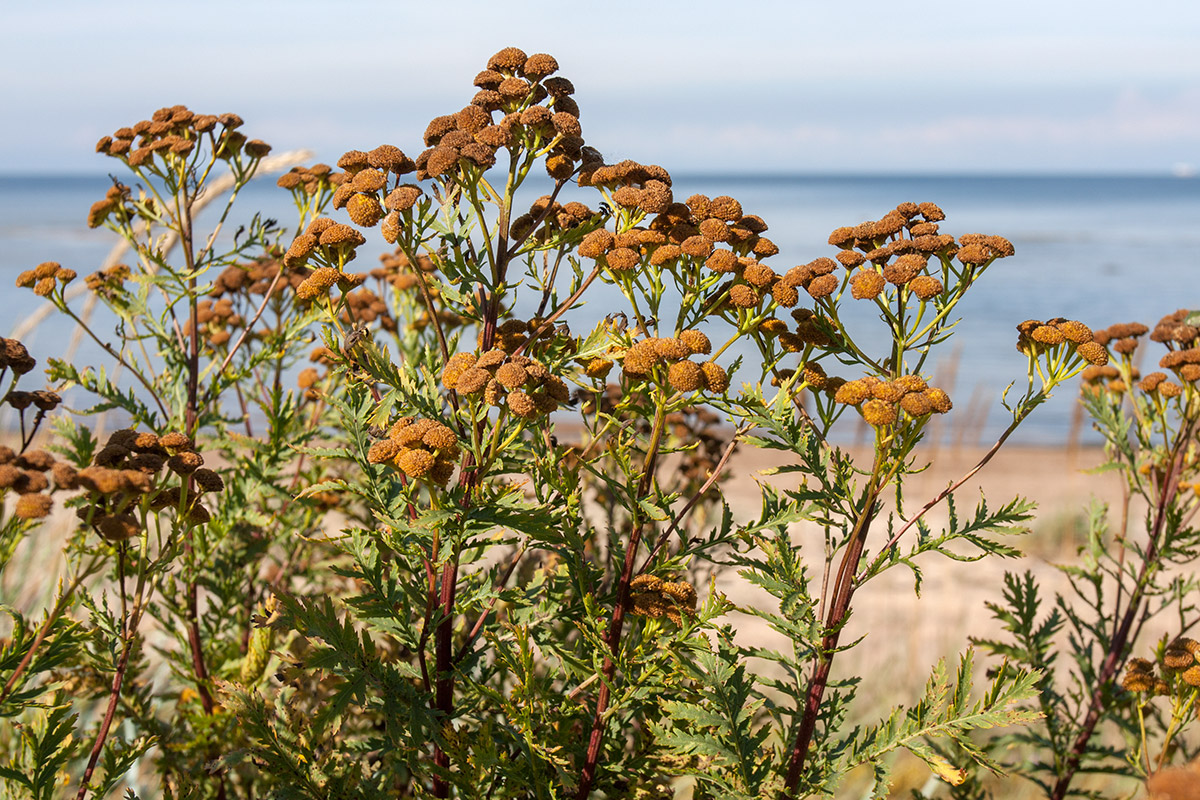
(1101, 249)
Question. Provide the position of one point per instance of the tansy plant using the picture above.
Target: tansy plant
(1109, 710)
(466, 550)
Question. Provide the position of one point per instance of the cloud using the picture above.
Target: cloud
(1132, 129)
(767, 85)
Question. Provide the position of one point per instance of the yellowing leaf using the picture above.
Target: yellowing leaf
(946, 771)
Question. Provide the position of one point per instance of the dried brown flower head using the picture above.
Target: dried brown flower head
(822, 286)
(1047, 335)
(916, 404)
(1177, 659)
(513, 90)
(696, 342)
(759, 275)
(32, 506)
(116, 527)
(1125, 346)
(364, 210)
(559, 87)
(510, 59)
(744, 296)
(938, 399)
(1151, 382)
(415, 463)
(185, 463)
(1093, 353)
(174, 441)
(512, 375)
(255, 148)
(926, 287)
(904, 269)
(1075, 331)
(37, 460)
(1135, 681)
(814, 375)
(867, 284)
(685, 376)
(539, 65)
(851, 393)
(722, 261)
(878, 413)
(207, 480)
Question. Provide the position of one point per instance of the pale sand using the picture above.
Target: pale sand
(906, 635)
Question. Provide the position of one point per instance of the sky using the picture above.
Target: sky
(859, 86)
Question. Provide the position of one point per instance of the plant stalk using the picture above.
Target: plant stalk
(587, 775)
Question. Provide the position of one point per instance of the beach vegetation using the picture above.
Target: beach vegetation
(391, 512)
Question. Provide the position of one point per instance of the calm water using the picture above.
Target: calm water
(1098, 249)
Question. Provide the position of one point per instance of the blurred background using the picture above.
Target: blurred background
(1074, 133)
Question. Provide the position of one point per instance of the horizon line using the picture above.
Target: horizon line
(1175, 173)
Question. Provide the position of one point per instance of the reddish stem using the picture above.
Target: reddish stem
(444, 682)
(587, 775)
(1116, 648)
(835, 617)
(109, 712)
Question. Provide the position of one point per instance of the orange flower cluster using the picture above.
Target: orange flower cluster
(525, 386)
(537, 112)
(1174, 328)
(108, 282)
(653, 597)
(516, 334)
(361, 190)
(1122, 337)
(45, 277)
(128, 473)
(896, 250)
(713, 232)
(218, 321)
(332, 243)
(1184, 363)
(1182, 358)
(396, 269)
(174, 133)
(26, 475)
(648, 358)
(251, 279)
(812, 330)
(238, 286)
(1035, 337)
(1180, 661)
(114, 202)
(546, 218)
(1140, 678)
(634, 186)
(420, 448)
(309, 181)
(1106, 377)
(880, 402)
(812, 377)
